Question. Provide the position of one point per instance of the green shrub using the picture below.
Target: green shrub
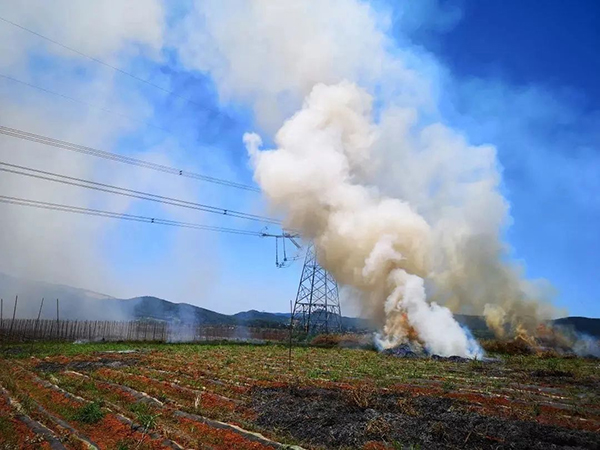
(90, 413)
(144, 416)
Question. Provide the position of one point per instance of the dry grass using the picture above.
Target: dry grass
(515, 346)
(378, 427)
(361, 396)
(343, 340)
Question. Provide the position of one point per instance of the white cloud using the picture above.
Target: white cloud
(48, 245)
(271, 54)
(101, 29)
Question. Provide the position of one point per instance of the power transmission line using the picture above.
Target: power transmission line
(99, 61)
(82, 102)
(13, 132)
(122, 216)
(111, 189)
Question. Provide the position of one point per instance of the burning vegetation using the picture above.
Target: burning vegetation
(406, 231)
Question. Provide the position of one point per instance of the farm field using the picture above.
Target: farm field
(236, 396)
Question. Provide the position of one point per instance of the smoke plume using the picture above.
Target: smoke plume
(439, 238)
(401, 207)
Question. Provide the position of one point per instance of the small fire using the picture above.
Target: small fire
(548, 340)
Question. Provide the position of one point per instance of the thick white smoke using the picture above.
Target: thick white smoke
(401, 207)
(377, 244)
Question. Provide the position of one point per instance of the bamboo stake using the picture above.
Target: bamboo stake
(290, 341)
(13, 318)
(57, 322)
(37, 322)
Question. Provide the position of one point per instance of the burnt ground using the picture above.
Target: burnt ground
(341, 418)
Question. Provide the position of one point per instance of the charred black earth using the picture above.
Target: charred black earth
(339, 418)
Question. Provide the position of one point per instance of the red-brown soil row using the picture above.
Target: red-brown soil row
(159, 364)
(205, 432)
(109, 432)
(208, 403)
(17, 430)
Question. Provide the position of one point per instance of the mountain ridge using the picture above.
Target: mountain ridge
(82, 304)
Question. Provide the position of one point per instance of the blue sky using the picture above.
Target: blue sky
(529, 85)
(517, 74)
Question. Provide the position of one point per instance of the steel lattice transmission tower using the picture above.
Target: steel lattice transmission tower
(317, 307)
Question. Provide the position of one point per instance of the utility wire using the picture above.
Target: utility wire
(122, 216)
(13, 132)
(99, 61)
(82, 102)
(73, 181)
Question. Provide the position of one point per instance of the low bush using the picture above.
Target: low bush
(514, 346)
(346, 340)
(90, 413)
(144, 415)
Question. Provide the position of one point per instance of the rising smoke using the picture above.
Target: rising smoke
(401, 207)
(443, 240)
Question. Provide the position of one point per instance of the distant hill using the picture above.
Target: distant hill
(581, 325)
(476, 324)
(154, 308)
(75, 303)
(254, 315)
(261, 318)
(81, 304)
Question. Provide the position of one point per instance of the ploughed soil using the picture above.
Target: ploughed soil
(342, 418)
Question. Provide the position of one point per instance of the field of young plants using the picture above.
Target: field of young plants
(236, 396)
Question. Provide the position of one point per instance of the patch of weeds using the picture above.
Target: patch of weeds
(90, 386)
(5, 426)
(144, 415)
(90, 413)
(8, 381)
(415, 374)
(314, 373)
(26, 402)
(125, 444)
(448, 386)
(13, 351)
(9, 438)
(162, 397)
(147, 420)
(476, 365)
(553, 364)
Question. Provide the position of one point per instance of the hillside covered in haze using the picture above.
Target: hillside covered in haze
(81, 304)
